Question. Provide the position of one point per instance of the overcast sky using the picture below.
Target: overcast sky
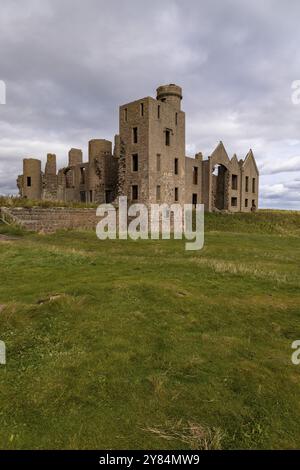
(69, 64)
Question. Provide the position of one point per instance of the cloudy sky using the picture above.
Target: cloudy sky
(69, 64)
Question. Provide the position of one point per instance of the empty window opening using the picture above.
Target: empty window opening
(158, 162)
(109, 196)
(253, 185)
(82, 196)
(176, 196)
(82, 175)
(142, 109)
(176, 118)
(69, 179)
(135, 192)
(168, 138)
(246, 202)
(195, 175)
(135, 135)
(135, 162)
(194, 199)
(247, 183)
(220, 177)
(158, 112)
(125, 114)
(28, 181)
(234, 201)
(176, 166)
(158, 193)
(234, 182)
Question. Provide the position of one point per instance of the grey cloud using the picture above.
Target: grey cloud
(68, 65)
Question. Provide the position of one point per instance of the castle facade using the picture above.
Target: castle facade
(148, 164)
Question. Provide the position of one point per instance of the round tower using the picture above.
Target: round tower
(171, 94)
(99, 147)
(32, 178)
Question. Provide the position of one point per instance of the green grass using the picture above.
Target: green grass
(143, 345)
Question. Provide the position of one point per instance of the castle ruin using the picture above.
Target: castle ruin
(148, 165)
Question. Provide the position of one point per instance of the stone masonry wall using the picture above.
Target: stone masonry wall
(38, 219)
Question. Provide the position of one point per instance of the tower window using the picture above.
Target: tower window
(176, 194)
(125, 114)
(168, 137)
(247, 183)
(176, 166)
(135, 162)
(234, 181)
(142, 109)
(176, 118)
(135, 135)
(158, 162)
(158, 112)
(135, 192)
(253, 185)
(195, 175)
(158, 193)
(28, 181)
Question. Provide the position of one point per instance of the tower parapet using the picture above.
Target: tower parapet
(171, 94)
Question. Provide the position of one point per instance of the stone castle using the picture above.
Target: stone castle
(148, 165)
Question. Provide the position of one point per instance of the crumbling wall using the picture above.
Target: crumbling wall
(122, 189)
(51, 219)
(75, 157)
(49, 179)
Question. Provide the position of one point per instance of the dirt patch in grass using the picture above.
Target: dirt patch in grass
(196, 436)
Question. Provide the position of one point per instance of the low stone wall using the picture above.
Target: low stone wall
(49, 220)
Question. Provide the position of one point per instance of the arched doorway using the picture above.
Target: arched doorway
(219, 187)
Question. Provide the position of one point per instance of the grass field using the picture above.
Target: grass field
(143, 345)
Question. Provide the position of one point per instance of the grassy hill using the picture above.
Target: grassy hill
(143, 345)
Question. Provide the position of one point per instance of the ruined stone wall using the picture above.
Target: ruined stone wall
(122, 183)
(190, 187)
(99, 150)
(248, 169)
(50, 168)
(20, 185)
(51, 219)
(234, 200)
(111, 177)
(75, 157)
(49, 179)
(206, 184)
